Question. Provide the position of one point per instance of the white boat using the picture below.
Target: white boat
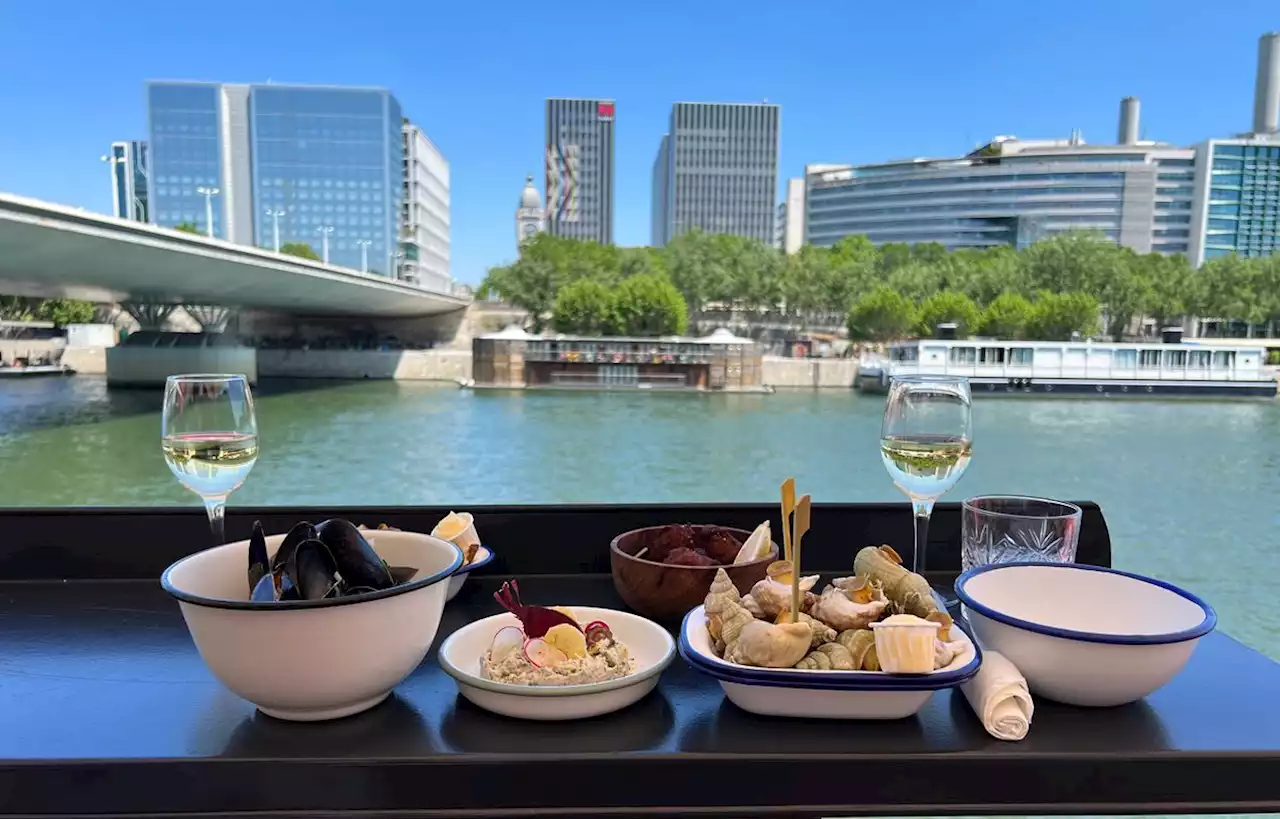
(1085, 368)
(34, 370)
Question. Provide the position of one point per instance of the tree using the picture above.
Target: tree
(300, 249)
(1057, 316)
(584, 307)
(187, 227)
(1006, 316)
(696, 268)
(65, 311)
(648, 305)
(1171, 285)
(16, 308)
(882, 315)
(948, 306)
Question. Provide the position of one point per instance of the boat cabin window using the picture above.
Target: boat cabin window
(1125, 360)
(1149, 359)
(1198, 359)
(1224, 359)
(904, 353)
(1021, 355)
(1175, 358)
(963, 355)
(991, 355)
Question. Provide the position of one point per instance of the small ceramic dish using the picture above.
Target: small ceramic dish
(793, 692)
(483, 556)
(649, 644)
(1084, 635)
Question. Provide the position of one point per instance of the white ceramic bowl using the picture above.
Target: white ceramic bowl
(650, 645)
(314, 659)
(483, 556)
(793, 692)
(1084, 635)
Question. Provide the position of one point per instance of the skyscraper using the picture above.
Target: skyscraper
(721, 171)
(128, 161)
(300, 157)
(579, 154)
(424, 238)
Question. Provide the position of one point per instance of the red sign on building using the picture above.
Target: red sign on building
(604, 110)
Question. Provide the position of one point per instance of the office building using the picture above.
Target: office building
(424, 238)
(1010, 191)
(307, 164)
(529, 216)
(719, 171)
(1237, 180)
(791, 218)
(579, 156)
(128, 164)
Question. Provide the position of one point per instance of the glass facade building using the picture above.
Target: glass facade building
(1237, 198)
(424, 239)
(319, 157)
(129, 196)
(1009, 192)
(579, 140)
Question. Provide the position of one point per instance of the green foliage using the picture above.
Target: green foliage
(648, 305)
(300, 249)
(1056, 316)
(882, 315)
(584, 307)
(948, 306)
(65, 311)
(187, 227)
(1006, 316)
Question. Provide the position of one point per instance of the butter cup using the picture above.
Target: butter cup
(905, 648)
(467, 540)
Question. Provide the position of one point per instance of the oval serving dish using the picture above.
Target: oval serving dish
(823, 694)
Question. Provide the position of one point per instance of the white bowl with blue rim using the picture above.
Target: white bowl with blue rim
(648, 644)
(312, 660)
(823, 694)
(483, 556)
(1084, 635)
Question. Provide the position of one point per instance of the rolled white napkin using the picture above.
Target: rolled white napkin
(999, 696)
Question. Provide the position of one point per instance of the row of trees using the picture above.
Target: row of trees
(646, 304)
(59, 311)
(885, 314)
(820, 285)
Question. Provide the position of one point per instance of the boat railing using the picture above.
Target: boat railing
(1006, 370)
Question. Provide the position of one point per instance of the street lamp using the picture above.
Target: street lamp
(324, 232)
(275, 227)
(113, 161)
(364, 254)
(208, 194)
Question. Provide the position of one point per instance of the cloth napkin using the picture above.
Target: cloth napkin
(998, 695)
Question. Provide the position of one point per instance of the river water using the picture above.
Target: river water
(1189, 488)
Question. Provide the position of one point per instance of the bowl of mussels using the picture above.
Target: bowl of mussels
(347, 612)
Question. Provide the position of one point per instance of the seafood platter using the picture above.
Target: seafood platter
(874, 644)
(284, 601)
(555, 662)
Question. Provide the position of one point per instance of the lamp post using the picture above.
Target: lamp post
(208, 194)
(364, 254)
(113, 161)
(275, 227)
(324, 232)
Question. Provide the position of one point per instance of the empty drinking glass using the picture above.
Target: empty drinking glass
(1010, 529)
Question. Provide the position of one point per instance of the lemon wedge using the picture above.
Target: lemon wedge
(758, 545)
(450, 526)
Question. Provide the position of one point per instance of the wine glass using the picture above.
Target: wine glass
(210, 438)
(926, 443)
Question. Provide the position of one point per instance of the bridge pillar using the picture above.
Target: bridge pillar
(150, 315)
(210, 317)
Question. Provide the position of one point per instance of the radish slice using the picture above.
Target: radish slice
(507, 640)
(542, 654)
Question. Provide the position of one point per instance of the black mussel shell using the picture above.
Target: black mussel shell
(259, 565)
(356, 560)
(300, 532)
(313, 571)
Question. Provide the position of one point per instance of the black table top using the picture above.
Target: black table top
(106, 708)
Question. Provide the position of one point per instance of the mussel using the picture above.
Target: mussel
(329, 559)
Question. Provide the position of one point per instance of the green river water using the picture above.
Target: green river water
(1188, 487)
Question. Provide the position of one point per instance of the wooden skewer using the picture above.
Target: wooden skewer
(788, 507)
(802, 526)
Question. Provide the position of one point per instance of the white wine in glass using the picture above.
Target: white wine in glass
(926, 442)
(209, 437)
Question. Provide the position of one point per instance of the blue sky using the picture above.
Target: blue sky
(857, 81)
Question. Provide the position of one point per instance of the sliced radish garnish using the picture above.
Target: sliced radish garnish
(596, 624)
(542, 654)
(507, 640)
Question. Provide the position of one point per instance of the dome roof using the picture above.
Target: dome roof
(529, 196)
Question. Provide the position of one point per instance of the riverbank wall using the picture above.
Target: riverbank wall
(809, 373)
(406, 365)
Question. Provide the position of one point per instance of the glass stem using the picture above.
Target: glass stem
(216, 509)
(921, 509)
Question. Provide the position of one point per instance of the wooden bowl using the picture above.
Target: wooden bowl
(665, 592)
